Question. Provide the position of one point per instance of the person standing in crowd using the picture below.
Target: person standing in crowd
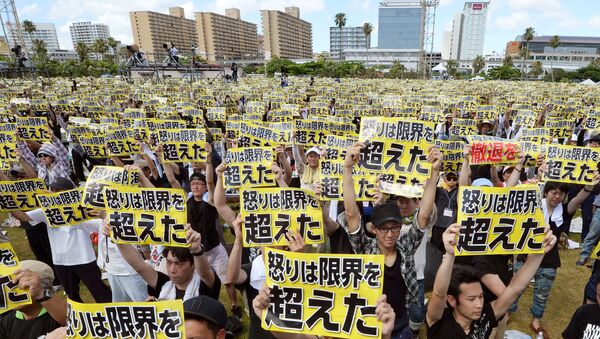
(234, 72)
(51, 161)
(447, 208)
(585, 322)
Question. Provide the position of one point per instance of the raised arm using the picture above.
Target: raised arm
(522, 278)
(285, 164)
(582, 195)
(235, 274)
(350, 208)
(513, 180)
(117, 161)
(210, 177)
(224, 210)
(464, 177)
(437, 303)
(278, 173)
(56, 306)
(194, 239)
(428, 199)
(329, 224)
(494, 176)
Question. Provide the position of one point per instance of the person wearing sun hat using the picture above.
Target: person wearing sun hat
(50, 162)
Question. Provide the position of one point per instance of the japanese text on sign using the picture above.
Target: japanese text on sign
(63, 208)
(182, 144)
(104, 176)
(11, 296)
(571, 164)
(249, 167)
(20, 195)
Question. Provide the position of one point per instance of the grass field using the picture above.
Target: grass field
(565, 298)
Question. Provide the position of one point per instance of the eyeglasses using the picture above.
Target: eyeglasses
(42, 155)
(452, 178)
(395, 230)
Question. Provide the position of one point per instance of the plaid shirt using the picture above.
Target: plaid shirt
(406, 246)
(60, 168)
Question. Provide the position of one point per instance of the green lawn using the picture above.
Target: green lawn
(565, 298)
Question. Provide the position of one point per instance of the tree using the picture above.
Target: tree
(397, 70)
(112, 43)
(478, 64)
(504, 73)
(100, 47)
(523, 55)
(554, 42)
(527, 36)
(537, 69)
(451, 67)
(367, 29)
(40, 52)
(508, 61)
(340, 22)
(29, 27)
(82, 50)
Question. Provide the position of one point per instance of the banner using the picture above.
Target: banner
(397, 148)
(104, 176)
(268, 214)
(571, 164)
(254, 135)
(155, 320)
(120, 143)
(491, 150)
(463, 127)
(33, 128)
(94, 145)
(8, 147)
(11, 296)
(497, 220)
(311, 132)
(249, 167)
(538, 135)
(63, 208)
(332, 178)
(147, 215)
(559, 128)
(183, 145)
(216, 114)
(532, 151)
(20, 195)
(323, 294)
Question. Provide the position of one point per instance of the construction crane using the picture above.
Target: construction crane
(9, 19)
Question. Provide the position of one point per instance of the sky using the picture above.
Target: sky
(506, 18)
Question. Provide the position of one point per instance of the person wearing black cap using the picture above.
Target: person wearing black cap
(205, 318)
(400, 277)
(73, 254)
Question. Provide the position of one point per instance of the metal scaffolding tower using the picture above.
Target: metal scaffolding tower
(9, 19)
(429, 9)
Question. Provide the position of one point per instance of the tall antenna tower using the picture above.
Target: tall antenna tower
(9, 19)
(428, 30)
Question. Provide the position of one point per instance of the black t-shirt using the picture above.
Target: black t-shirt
(585, 323)
(162, 279)
(448, 328)
(500, 265)
(394, 288)
(203, 218)
(11, 327)
(446, 200)
(340, 242)
(255, 331)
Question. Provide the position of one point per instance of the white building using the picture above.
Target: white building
(467, 38)
(350, 38)
(386, 57)
(43, 31)
(88, 32)
(62, 55)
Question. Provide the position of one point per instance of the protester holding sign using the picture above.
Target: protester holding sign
(400, 278)
(460, 288)
(51, 161)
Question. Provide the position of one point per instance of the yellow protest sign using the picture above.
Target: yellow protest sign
(252, 134)
(498, 220)
(525, 118)
(216, 114)
(182, 145)
(63, 208)
(147, 215)
(269, 213)
(559, 128)
(8, 147)
(104, 176)
(463, 127)
(452, 161)
(571, 164)
(311, 132)
(332, 177)
(11, 296)
(120, 143)
(537, 135)
(134, 113)
(492, 150)
(531, 150)
(94, 145)
(323, 294)
(162, 319)
(20, 195)
(396, 148)
(33, 128)
(596, 252)
(249, 167)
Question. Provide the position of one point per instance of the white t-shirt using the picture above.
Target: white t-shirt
(70, 245)
(116, 264)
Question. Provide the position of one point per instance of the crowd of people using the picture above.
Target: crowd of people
(426, 287)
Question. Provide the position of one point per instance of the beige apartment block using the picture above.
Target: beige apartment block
(151, 30)
(286, 35)
(226, 37)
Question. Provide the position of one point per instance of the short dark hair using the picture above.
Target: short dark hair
(553, 185)
(181, 253)
(462, 275)
(212, 327)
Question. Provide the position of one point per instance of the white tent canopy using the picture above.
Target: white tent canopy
(588, 82)
(439, 68)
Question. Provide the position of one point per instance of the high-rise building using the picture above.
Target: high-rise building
(452, 39)
(473, 29)
(151, 30)
(45, 32)
(222, 37)
(88, 32)
(346, 38)
(401, 25)
(286, 35)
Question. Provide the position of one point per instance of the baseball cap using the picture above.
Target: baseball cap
(314, 149)
(482, 182)
(45, 272)
(386, 212)
(61, 184)
(206, 308)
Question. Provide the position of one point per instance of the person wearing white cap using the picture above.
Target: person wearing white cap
(51, 161)
(307, 165)
(47, 311)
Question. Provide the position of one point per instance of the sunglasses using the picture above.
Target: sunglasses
(42, 155)
(452, 178)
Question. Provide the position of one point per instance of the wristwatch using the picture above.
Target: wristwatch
(48, 294)
(199, 253)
